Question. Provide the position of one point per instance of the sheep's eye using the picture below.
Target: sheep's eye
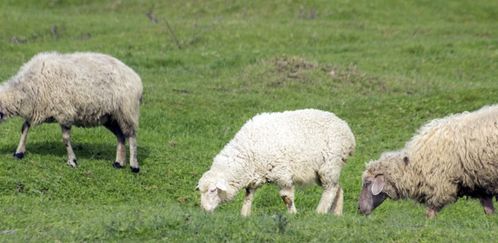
(212, 190)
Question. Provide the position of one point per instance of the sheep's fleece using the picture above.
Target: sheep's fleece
(285, 148)
(82, 89)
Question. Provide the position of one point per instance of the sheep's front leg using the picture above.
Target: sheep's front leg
(66, 138)
(21, 148)
(330, 192)
(246, 206)
(287, 195)
(133, 154)
(487, 204)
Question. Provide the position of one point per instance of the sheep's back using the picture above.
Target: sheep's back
(300, 140)
(461, 148)
(83, 87)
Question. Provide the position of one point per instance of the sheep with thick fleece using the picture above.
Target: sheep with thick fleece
(81, 89)
(448, 158)
(285, 148)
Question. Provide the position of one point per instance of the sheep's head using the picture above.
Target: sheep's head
(3, 112)
(371, 195)
(214, 191)
(376, 182)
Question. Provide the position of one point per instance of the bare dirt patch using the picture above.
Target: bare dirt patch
(298, 72)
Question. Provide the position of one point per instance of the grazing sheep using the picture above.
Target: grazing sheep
(81, 89)
(448, 158)
(285, 148)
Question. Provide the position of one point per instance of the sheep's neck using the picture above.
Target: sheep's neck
(239, 173)
(408, 182)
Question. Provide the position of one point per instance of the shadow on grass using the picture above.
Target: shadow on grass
(97, 151)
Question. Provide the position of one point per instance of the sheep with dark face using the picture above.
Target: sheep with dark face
(81, 89)
(449, 158)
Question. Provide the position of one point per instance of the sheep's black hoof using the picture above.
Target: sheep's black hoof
(73, 163)
(117, 165)
(135, 170)
(18, 155)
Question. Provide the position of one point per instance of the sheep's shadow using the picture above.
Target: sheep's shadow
(97, 151)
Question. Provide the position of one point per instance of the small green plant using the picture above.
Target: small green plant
(282, 223)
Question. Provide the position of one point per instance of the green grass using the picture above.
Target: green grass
(384, 66)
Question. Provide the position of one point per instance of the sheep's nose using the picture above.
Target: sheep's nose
(364, 212)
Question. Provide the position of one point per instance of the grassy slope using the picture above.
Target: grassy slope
(396, 65)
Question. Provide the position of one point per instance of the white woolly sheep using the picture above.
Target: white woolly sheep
(81, 89)
(448, 158)
(285, 148)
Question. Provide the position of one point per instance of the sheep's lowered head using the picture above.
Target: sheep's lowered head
(214, 190)
(2, 108)
(8, 102)
(377, 185)
(4, 114)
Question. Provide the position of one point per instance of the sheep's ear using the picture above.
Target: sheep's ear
(406, 160)
(378, 185)
(222, 185)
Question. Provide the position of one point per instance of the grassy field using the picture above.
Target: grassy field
(384, 66)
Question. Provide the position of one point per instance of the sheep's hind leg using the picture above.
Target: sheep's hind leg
(331, 193)
(332, 197)
(133, 154)
(66, 138)
(338, 202)
(21, 148)
(287, 195)
(246, 206)
(487, 204)
(121, 148)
